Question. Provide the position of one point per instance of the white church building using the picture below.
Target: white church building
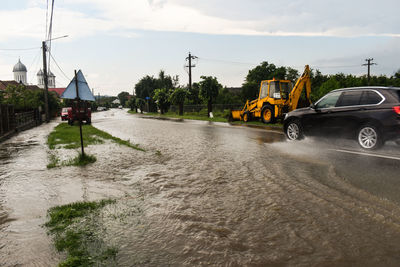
(20, 75)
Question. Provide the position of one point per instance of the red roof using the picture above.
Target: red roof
(59, 91)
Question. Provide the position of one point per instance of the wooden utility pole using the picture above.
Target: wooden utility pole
(369, 67)
(79, 113)
(190, 57)
(46, 88)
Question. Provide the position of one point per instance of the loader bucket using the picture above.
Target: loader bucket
(236, 114)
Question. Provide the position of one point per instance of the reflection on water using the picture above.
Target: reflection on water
(214, 194)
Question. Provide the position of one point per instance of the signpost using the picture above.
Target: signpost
(78, 89)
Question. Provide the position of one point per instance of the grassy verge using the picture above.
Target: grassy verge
(68, 137)
(218, 117)
(75, 230)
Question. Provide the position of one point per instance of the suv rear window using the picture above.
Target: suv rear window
(370, 98)
(396, 94)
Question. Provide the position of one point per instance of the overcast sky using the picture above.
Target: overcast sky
(115, 43)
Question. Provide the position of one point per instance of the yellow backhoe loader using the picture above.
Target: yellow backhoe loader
(276, 98)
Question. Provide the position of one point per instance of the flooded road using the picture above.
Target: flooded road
(208, 194)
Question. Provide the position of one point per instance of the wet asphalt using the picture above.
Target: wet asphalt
(209, 194)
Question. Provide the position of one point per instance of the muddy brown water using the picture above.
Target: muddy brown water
(203, 194)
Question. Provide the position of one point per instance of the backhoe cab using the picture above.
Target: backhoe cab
(276, 97)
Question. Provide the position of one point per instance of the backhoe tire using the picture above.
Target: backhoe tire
(294, 130)
(246, 116)
(267, 114)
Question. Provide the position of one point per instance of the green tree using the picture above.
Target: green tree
(209, 89)
(123, 98)
(132, 103)
(161, 96)
(227, 97)
(264, 71)
(193, 95)
(140, 103)
(178, 97)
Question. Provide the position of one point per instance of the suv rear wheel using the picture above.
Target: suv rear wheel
(368, 137)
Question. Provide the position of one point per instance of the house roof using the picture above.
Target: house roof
(4, 84)
(58, 91)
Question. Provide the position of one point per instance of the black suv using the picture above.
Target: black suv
(371, 115)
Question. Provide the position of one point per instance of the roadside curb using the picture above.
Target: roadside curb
(266, 127)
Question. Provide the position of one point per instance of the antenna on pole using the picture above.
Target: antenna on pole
(369, 63)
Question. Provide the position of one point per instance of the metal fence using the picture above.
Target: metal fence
(203, 108)
(11, 122)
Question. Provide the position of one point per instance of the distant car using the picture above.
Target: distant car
(120, 107)
(370, 115)
(64, 114)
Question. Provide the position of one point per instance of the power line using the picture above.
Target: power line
(50, 31)
(19, 49)
(54, 60)
(47, 18)
(227, 61)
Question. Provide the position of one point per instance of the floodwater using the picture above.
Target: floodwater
(206, 194)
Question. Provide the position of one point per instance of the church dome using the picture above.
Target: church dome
(19, 67)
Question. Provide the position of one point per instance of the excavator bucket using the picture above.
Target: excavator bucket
(236, 114)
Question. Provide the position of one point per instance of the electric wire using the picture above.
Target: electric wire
(58, 66)
(47, 18)
(19, 49)
(50, 33)
(227, 61)
(296, 67)
(35, 59)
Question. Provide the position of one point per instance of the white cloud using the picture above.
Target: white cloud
(237, 17)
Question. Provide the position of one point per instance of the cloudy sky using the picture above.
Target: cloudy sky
(115, 43)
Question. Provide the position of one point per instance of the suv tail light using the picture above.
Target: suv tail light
(397, 110)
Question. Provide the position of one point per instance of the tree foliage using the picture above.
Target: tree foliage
(26, 99)
(140, 103)
(147, 85)
(123, 98)
(265, 71)
(209, 89)
(132, 103)
(161, 96)
(178, 97)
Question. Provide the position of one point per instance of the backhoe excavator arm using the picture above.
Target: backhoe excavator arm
(295, 94)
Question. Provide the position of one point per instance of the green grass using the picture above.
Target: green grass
(53, 161)
(75, 233)
(68, 137)
(259, 123)
(80, 160)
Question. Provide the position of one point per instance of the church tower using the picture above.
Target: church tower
(51, 79)
(20, 71)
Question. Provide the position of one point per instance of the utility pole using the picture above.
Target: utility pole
(190, 57)
(46, 88)
(369, 60)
